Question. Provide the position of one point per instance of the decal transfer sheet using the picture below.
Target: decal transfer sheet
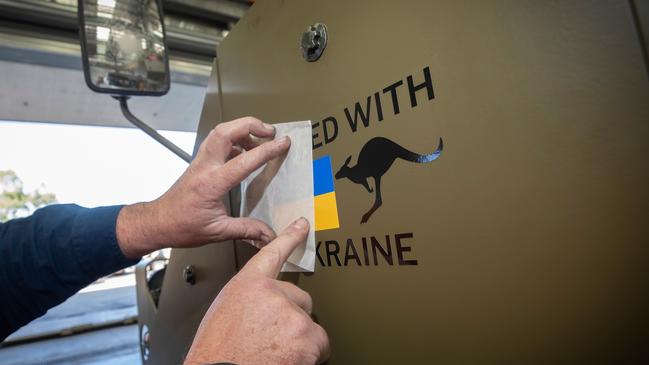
(281, 191)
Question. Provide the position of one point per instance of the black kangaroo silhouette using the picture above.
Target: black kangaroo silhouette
(374, 160)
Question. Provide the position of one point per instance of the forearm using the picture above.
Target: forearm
(49, 256)
(138, 231)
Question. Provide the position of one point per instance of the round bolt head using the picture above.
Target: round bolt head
(314, 41)
(189, 275)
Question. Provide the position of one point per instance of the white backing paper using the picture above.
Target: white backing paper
(281, 191)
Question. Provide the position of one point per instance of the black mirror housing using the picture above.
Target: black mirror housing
(123, 46)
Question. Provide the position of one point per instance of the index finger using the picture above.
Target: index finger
(237, 169)
(240, 128)
(270, 259)
(219, 142)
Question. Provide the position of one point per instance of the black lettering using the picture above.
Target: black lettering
(402, 249)
(333, 252)
(354, 255)
(358, 110)
(379, 108)
(367, 256)
(387, 255)
(314, 136)
(428, 84)
(393, 92)
(317, 253)
(334, 123)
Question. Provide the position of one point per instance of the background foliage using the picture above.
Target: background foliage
(15, 202)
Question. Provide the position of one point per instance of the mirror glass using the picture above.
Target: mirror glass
(123, 46)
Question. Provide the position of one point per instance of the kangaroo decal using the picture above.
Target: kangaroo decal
(374, 160)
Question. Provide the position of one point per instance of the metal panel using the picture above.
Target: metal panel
(224, 10)
(185, 32)
(58, 95)
(640, 13)
(42, 81)
(529, 232)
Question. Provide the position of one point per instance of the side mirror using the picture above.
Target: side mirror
(123, 46)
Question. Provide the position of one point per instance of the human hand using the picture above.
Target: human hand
(192, 213)
(257, 319)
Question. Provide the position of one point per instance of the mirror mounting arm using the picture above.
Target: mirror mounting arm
(150, 131)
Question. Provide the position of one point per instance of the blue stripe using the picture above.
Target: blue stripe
(323, 177)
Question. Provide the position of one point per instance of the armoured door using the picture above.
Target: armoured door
(490, 166)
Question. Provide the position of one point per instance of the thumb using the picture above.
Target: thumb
(247, 228)
(269, 260)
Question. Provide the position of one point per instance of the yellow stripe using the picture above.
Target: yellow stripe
(326, 212)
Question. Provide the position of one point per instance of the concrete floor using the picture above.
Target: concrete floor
(108, 302)
(111, 302)
(112, 346)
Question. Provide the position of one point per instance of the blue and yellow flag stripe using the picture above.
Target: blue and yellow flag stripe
(326, 209)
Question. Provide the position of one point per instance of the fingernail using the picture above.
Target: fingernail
(302, 223)
(265, 238)
(269, 127)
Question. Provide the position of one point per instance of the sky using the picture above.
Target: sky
(91, 166)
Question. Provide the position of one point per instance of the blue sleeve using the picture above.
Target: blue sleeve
(49, 256)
